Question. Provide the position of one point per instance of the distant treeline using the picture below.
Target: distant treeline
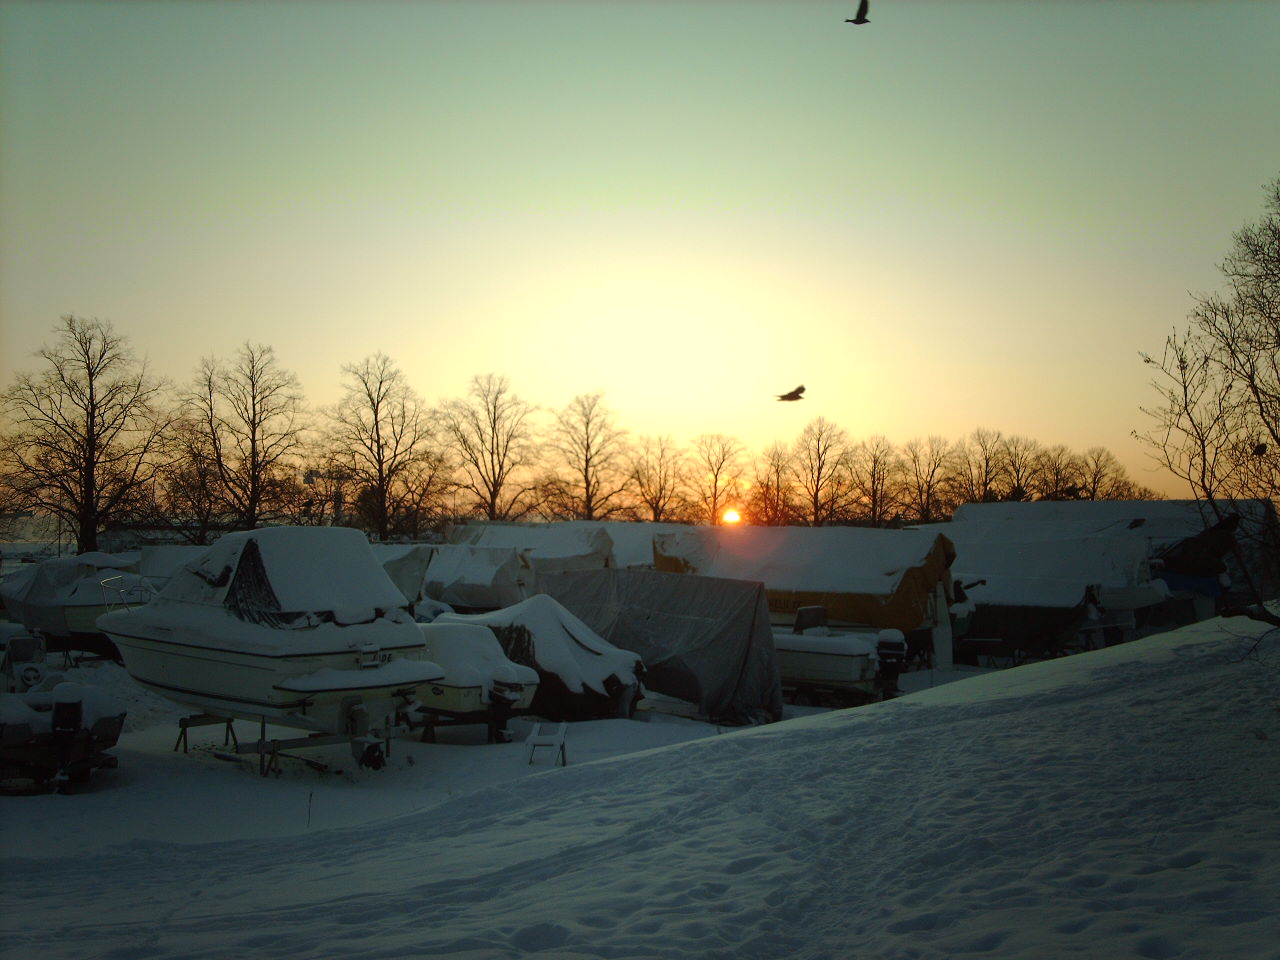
(93, 440)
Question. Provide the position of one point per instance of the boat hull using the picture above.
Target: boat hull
(261, 685)
(461, 701)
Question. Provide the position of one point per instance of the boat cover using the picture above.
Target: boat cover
(580, 674)
(406, 564)
(289, 577)
(547, 548)
(478, 578)
(881, 578)
(39, 594)
(705, 640)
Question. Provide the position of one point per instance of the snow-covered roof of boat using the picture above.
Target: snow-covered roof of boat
(1105, 560)
(307, 569)
(563, 644)
(632, 542)
(162, 561)
(1046, 553)
(406, 564)
(541, 541)
(471, 656)
(71, 580)
(882, 578)
(1159, 522)
(481, 577)
(856, 560)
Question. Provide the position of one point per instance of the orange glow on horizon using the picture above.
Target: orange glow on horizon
(732, 516)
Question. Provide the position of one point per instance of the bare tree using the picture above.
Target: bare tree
(657, 472)
(978, 469)
(926, 470)
(1103, 477)
(84, 443)
(1217, 421)
(1196, 425)
(1020, 460)
(1059, 474)
(772, 502)
(876, 472)
(379, 434)
(250, 414)
(591, 450)
(185, 499)
(820, 466)
(423, 502)
(492, 433)
(716, 474)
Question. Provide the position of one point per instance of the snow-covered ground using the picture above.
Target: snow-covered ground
(1121, 803)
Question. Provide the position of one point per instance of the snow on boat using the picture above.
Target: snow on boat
(580, 674)
(62, 598)
(840, 665)
(51, 731)
(298, 626)
(480, 684)
(840, 669)
(59, 735)
(477, 673)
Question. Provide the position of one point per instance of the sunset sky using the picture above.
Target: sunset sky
(960, 215)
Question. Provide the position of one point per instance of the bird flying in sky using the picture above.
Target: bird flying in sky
(862, 14)
(793, 395)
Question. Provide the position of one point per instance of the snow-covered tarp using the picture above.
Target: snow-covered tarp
(158, 563)
(881, 578)
(1165, 526)
(45, 596)
(406, 564)
(546, 547)
(632, 542)
(278, 574)
(580, 673)
(477, 578)
(705, 640)
(1023, 565)
(471, 656)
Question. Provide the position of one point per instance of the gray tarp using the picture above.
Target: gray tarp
(706, 640)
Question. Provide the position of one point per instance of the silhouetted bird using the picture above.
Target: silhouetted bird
(862, 14)
(793, 395)
(1260, 450)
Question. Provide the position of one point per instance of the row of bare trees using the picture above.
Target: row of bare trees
(94, 440)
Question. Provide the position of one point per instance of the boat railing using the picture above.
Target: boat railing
(116, 594)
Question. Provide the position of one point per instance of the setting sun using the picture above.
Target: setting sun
(732, 516)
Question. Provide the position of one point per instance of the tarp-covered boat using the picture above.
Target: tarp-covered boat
(705, 640)
(293, 625)
(580, 674)
(887, 579)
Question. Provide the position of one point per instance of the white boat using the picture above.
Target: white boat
(62, 597)
(820, 665)
(297, 626)
(477, 675)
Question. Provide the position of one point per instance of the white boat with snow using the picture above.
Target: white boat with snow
(297, 626)
(480, 683)
(62, 598)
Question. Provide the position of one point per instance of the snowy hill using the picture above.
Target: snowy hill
(1122, 803)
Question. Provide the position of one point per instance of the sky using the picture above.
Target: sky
(960, 215)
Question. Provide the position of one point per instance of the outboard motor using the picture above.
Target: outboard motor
(67, 719)
(891, 655)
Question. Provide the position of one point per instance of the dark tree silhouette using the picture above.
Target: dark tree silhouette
(85, 440)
